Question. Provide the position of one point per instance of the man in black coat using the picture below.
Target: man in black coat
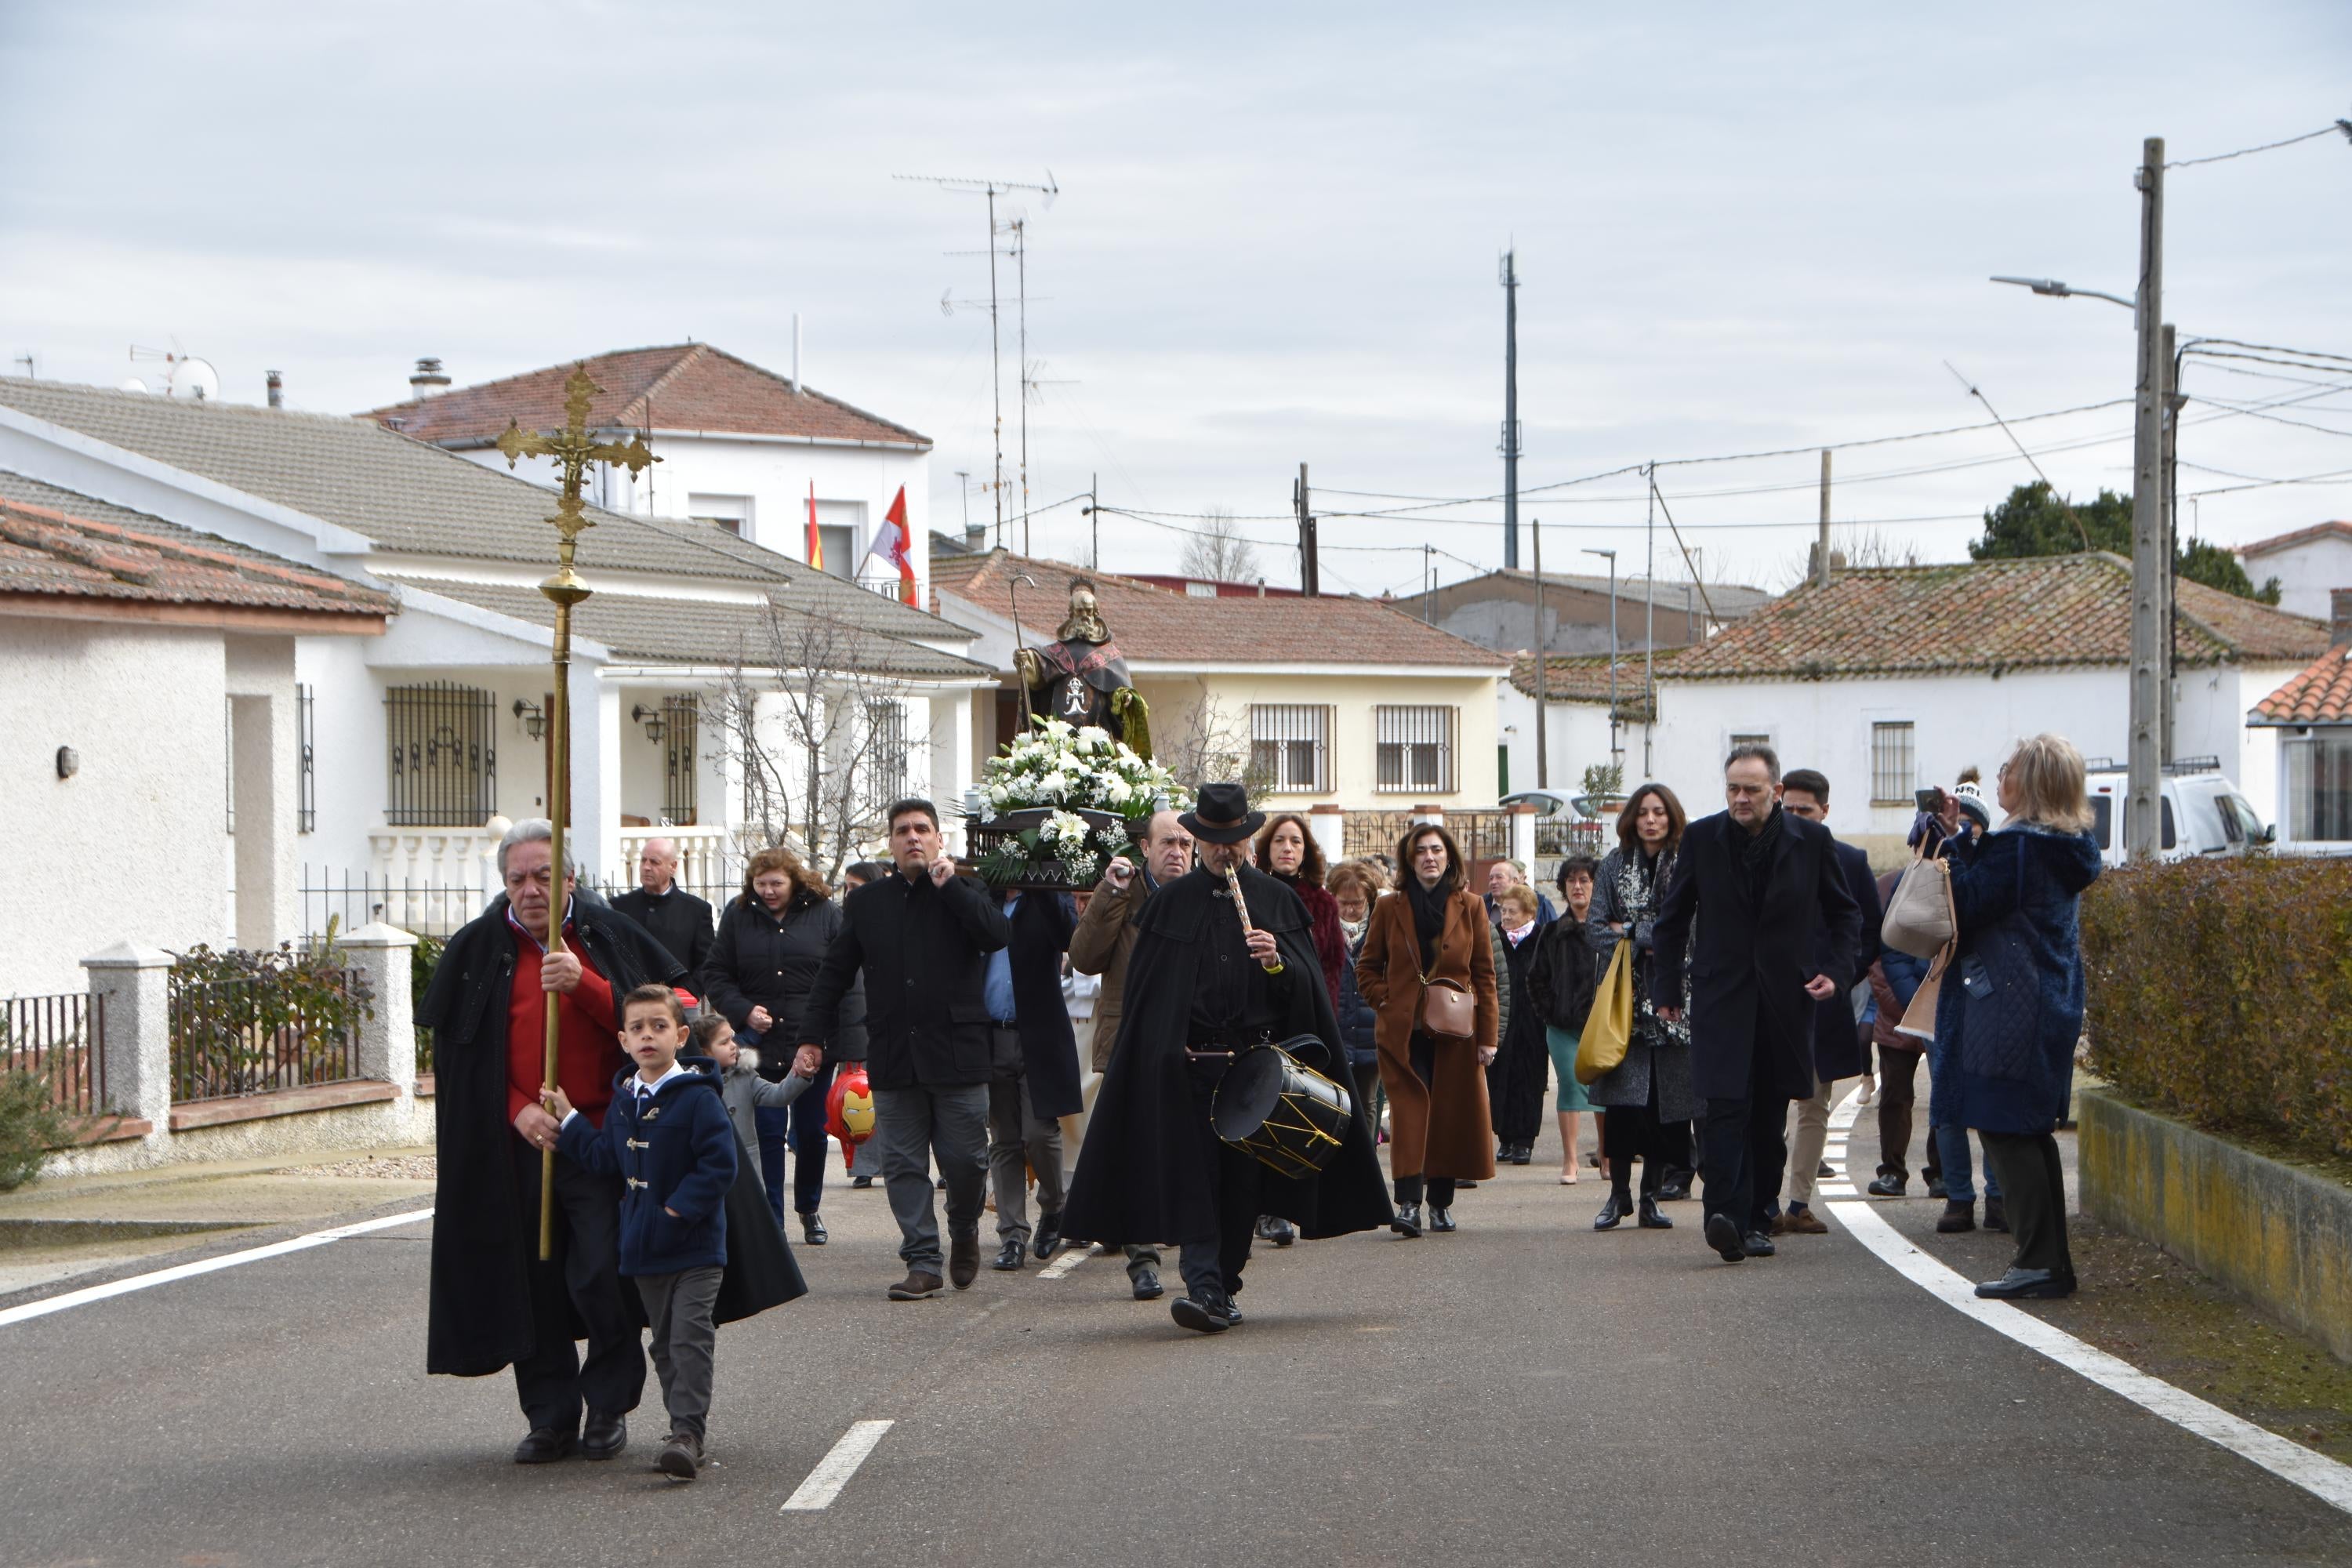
(491, 1302)
(922, 940)
(1841, 1042)
(1762, 886)
(1152, 1168)
(1034, 1081)
(680, 922)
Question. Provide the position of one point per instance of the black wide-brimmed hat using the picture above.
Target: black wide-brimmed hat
(1222, 814)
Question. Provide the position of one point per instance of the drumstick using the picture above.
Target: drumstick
(1241, 908)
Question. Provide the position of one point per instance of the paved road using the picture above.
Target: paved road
(1525, 1392)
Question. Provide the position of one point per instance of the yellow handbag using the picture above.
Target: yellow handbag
(1609, 1027)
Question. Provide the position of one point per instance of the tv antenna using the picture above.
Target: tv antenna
(185, 377)
(991, 189)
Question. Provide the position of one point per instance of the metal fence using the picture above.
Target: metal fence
(349, 902)
(233, 1038)
(1483, 834)
(58, 1039)
(443, 760)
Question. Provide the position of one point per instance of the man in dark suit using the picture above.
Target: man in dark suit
(1841, 1040)
(679, 920)
(1762, 886)
(1035, 1072)
(921, 938)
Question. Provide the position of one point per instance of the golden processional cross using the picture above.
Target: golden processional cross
(572, 451)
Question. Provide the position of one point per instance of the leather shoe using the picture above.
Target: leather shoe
(605, 1436)
(813, 1229)
(1888, 1184)
(917, 1286)
(1824, 1171)
(1956, 1217)
(963, 1259)
(1273, 1227)
(1936, 1187)
(1523, 1153)
(1724, 1237)
(861, 1182)
(1674, 1191)
(681, 1457)
(1048, 1239)
(1146, 1281)
(1441, 1219)
(544, 1446)
(1008, 1257)
(1802, 1221)
(1648, 1217)
(1612, 1209)
(1407, 1223)
(1207, 1316)
(1996, 1216)
(2027, 1285)
(1756, 1244)
(1776, 1225)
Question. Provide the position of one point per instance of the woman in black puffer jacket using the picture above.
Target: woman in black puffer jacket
(771, 941)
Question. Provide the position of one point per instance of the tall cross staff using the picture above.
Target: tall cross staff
(572, 451)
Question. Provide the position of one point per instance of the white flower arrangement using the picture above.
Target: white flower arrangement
(1069, 771)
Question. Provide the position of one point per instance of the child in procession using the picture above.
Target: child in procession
(742, 1088)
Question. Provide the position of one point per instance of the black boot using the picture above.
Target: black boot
(1407, 1223)
(1649, 1218)
(1619, 1204)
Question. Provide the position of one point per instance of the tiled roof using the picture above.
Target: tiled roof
(679, 388)
(35, 492)
(2321, 694)
(703, 632)
(44, 552)
(410, 497)
(1585, 677)
(2298, 536)
(1152, 624)
(1730, 600)
(2043, 612)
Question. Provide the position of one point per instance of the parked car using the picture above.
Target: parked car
(2203, 813)
(1565, 825)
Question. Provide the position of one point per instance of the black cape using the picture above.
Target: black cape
(760, 1272)
(478, 1315)
(1144, 1171)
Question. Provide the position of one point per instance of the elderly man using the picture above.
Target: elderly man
(492, 1302)
(680, 922)
(1505, 874)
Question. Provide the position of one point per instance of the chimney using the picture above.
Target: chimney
(277, 382)
(2339, 615)
(797, 351)
(429, 379)
(975, 537)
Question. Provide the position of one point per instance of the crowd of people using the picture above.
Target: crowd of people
(1742, 951)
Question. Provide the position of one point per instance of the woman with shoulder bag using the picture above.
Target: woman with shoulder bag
(2011, 1011)
(1428, 969)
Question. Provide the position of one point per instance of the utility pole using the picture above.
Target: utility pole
(1543, 666)
(2173, 403)
(2149, 565)
(1428, 585)
(1615, 750)
(1020, 381)
(1822, 549)
(1510, 411)
(1094, 516)
(1310, 569)
(1650, 623)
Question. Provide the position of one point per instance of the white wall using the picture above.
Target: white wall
(2305, 573)
(136, 845)
(1576, 736)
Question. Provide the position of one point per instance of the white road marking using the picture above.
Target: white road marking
(1069, 1260)
(2315, 1473)
(83, 1298)
(832, 1471)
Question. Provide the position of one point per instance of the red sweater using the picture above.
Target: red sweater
(587, 1046)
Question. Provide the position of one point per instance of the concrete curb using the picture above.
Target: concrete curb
(2279, 1235)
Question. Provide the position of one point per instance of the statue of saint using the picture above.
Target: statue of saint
(1082, 677)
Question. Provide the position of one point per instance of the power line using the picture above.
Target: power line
(2342, 125)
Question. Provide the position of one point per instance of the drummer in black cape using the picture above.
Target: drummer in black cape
(1199, 993)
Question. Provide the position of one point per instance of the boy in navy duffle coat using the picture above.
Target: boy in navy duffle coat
(667, 1134)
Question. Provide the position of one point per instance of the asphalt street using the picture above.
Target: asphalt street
(1523, 1392)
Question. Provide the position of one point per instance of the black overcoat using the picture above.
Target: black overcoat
(1041, 923)
(679, 920)
(1749, 966)
(1838, 1048)
(923, 951)
(1144, 1171)
(478, 1316)
(761, 961)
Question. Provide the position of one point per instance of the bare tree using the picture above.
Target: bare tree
(819, 741)
(1211, 746)
(1218, 553)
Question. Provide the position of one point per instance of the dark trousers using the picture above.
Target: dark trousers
(581, 1284)
(1423, 1053)
(1214, 1264)
(799, 1126)
(1744, 1152)
(1676, 1146)
(1630, 1132)
(678, 1307)
(1898, 1069)
(2034, 1191)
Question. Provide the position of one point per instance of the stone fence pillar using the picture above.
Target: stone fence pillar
(1328, 823)
(388, 1036)
(1523, 835)
(136, 1052)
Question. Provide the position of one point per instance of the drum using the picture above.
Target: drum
(1282, 1112)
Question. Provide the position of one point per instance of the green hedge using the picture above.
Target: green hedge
(2220, 992)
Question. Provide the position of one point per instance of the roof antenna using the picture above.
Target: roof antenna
(2063, 505)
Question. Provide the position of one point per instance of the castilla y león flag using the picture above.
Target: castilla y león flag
(894, 543)
(815, 539)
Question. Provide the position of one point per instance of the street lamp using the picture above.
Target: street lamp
(1613, 649)
(2057, 291)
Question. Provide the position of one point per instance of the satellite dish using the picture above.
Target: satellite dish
(194, 380)
(132, 384)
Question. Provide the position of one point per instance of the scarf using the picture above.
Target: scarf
(1518, 935)
(1353, 931)
(1428, 917)
(1756, 858)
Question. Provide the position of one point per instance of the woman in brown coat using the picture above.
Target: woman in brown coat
(1432, 927)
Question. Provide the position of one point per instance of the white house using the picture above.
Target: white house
(2309, 721)
(1894, 678)
(741, 448)
(414, 744)
(1577, 725)
(2309, 564)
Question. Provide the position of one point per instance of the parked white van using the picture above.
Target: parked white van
(2204, 812)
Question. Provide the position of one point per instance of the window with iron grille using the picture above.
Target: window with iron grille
(306, 777)
(1891, 766)
(1413, 750)
(885, 751)
(1290, 747)
(443, 767)
(681, 727)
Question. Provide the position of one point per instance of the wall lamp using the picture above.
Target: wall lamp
(534, 721)
(651, 718)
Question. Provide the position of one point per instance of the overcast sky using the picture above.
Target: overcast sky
(1739, 229)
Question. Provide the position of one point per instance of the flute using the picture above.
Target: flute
(1241, 908)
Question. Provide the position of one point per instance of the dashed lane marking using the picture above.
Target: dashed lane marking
(89, 1294)
(832, 1471)
(1070, 1259)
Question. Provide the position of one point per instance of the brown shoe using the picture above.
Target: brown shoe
(1802, 1221)
(916, 1286)
(963, 1259)
(681, 1457)
(1780, 1225)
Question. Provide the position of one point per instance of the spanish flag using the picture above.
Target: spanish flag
(815, 539)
